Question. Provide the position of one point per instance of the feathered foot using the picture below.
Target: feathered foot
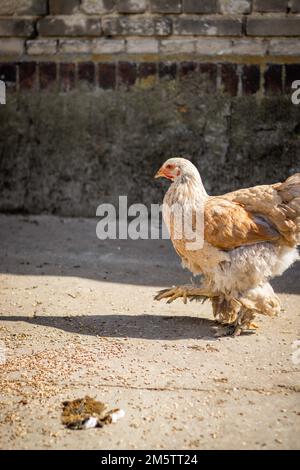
(186, 292)
(243, 321)
(233, 316)
(259, 300)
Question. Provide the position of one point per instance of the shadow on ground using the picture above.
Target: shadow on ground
(152, 327)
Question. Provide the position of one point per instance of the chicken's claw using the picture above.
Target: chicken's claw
(186, 292)
(172, 294)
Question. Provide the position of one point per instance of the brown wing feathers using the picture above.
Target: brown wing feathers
(278, 204)
(228, 225)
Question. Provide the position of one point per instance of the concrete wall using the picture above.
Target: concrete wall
(100, 92)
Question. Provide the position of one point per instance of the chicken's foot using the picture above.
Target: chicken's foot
(186, 292)
(244, 321)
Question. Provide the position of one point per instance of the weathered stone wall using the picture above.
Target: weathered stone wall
(100, 92)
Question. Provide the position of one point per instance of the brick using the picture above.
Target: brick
(75, 46)
(265, 6)
(65, 7)
(142, 46)
(284, 47)
(28, 75)
(23, 7)
(16, 27)
(8, 73)
(41, 46)
(11, 47)
(127, 73)
(147, 74)
(244, 47)
(69, 26)
(107, 75)
(146, 69)
(292, 73)
(174, 46)
(186, 68)
(143, 26)
(47, 75)
(229, 79)
(210, 26)
(250, 79)
(95, 7)
(273, 79)
(249, 47)
(166, 6)
(66, 76)
(212, 46)
(273, 26)
(167, 70)
(235, 7)
(295, 6)
(209, 71)
(131, 6)
(86, 73)
(108, 46)
(200, 6)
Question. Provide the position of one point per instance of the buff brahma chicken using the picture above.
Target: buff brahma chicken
(249, 237)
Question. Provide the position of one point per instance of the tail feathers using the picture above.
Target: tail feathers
(290, 189)
(289, 192)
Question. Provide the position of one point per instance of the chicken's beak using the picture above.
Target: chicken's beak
(159, 173)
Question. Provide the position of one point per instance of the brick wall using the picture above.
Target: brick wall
(227, 78)
(111, 42)
(214, 64)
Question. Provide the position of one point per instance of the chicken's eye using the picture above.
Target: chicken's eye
(170, 167)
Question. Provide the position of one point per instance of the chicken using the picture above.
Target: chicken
(247, 237)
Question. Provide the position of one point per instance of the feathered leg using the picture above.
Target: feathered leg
(225, 310)
(236, 313)
(239, 313)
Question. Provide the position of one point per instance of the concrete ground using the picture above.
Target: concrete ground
(78, 318)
